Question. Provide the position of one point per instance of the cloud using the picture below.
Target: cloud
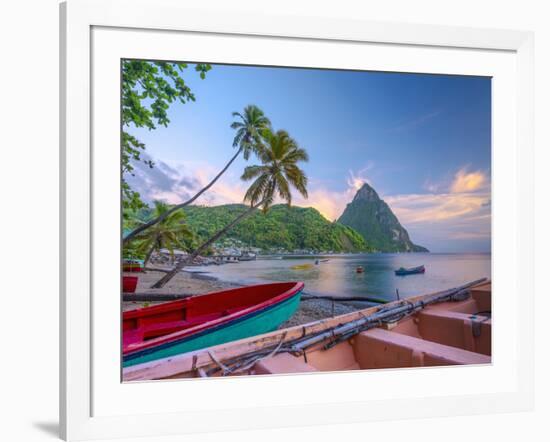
(465, 181)
(421, 208)
(459, 210)
(466, 197)
(332, 203)
(430, 186)
(456, 213)
(356, 179)
(176, 183)
(413, 123)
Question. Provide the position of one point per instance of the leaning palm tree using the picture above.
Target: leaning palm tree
(276, 175)
(250, 124)
(170, 233)
(250, 127)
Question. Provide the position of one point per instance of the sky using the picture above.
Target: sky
(422, 141)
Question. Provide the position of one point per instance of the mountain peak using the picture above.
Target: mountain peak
(373, 219)
(366, 193)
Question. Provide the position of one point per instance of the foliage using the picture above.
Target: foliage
(130, 251)
(279, 171)
(281, 228)
(376, 223)
(249, 126)
(148, 89)
(171, 233)
(251, 123)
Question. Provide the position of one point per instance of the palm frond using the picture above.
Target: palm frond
(257, 190)
(250, 125)
(283, 188)
(251, 172)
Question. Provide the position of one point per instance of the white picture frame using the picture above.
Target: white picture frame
(83, 410)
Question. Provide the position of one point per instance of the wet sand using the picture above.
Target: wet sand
(183, 283)
(198, 283)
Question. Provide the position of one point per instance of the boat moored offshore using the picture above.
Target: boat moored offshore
(402, 271)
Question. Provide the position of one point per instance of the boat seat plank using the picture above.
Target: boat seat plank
(378, 348)
(468, 306)
(164, 328)
(340, 357)
(283, 363)
(456, 329)
(482, 296)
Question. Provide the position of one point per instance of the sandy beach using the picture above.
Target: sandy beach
(196, 283)
(183, 283)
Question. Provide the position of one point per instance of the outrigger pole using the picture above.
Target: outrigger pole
(342, 332)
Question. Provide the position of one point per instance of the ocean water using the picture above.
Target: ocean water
(337, 277)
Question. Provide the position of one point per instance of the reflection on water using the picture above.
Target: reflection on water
(337, 277)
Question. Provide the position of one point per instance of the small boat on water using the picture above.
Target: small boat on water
(247, 256)
(451, 327)
(302, 267)
(359, 269)
(201, 321)
(410, 271)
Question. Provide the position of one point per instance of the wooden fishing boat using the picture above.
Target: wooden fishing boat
(202, 321)
(410, 271)
(452, 327)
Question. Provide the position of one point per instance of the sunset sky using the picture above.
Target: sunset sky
(422, 141)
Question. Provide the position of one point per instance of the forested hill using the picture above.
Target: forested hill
(283, 227)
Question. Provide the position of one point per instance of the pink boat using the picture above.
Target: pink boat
(446, 328)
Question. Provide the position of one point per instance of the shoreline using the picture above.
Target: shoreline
(195, 283)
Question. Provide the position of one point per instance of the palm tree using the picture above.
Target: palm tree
(170, 233)
(250, 125)
(276, 175)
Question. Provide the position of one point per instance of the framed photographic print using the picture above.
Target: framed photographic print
(313, 221)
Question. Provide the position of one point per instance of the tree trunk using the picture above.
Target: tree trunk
(158, 219)
(148, 256)
(166, 278)
(150, 252)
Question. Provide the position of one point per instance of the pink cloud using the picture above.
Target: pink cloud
(461, 211)
(419, 208)
(465, 181)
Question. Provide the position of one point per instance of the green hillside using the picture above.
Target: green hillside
(282, 228)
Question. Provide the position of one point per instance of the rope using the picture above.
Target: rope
(243, 363)
(259, 358)
(224, 368)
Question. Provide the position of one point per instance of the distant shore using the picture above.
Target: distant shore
(194, 283)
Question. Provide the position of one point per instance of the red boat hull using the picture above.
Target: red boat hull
(157, 325)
